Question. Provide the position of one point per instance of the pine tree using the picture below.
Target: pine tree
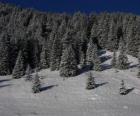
(68, 66)
(36, 83)
(114, 60)
(55, 54)
(90, 53)
(97, 61)
(19, 70)
(43, 58)
(4, 54)
(28, 76)
(90, 82)
(122, 59)
(122, 88)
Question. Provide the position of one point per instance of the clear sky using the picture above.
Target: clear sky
(87, 6)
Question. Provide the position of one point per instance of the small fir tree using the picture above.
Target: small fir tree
(36, 83)
(18, 70)
(90, 82)
(122, 88)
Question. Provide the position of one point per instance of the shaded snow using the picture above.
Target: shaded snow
(70, 98)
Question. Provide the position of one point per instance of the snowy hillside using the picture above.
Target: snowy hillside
(70, 98)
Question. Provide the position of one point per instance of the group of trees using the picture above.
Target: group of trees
(62, 41)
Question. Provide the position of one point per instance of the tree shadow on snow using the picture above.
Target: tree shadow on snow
(101, 52)
(47, 87)
(105, 58)
(129, 90)
(84, 69)
(101, 84)
(1, 86)
(106, 66)
(133, 66)
(4, 80)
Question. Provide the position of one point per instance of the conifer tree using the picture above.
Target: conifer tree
(4, 54)
(97, 61)
(68, 66)
(122, 88)
(44, 58)
(90, 53)
(122, 59)
(90, 82)
(28, 76)
(19, 70)
(55, 54)
(36, 83)
(114, 60)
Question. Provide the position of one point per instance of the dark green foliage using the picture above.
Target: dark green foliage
(90, 82)
(96, 61)
(4, 54)
(122, 62)
(19, 70)
(68, 66)
(55, 54)
(28, 30)
(44, 58)
(36, 83)
(90, 53)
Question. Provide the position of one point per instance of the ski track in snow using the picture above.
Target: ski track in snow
(70, 98)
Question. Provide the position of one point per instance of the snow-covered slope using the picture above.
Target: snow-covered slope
(70, 98)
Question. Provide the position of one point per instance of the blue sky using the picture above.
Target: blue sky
(87, 6)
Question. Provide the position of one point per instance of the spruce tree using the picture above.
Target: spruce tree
(55, 57)
(122, 62)
(122, 88)
(19, 70)
(36, 83)
(68, 66)
(96, 61)
(4, 54)
(114, 60)
(28, 76)
(90, 53)
(44, 58)
(90, 82)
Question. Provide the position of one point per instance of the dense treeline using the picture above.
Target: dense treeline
(42, 39)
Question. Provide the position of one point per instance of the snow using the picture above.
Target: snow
(70, 98)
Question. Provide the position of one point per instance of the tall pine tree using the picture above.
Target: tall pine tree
(55, 54)
(122, 62)
(96, 61)
(68, 66)
(19, 70)
(90, 53)
(4, 54)
(44, 58)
